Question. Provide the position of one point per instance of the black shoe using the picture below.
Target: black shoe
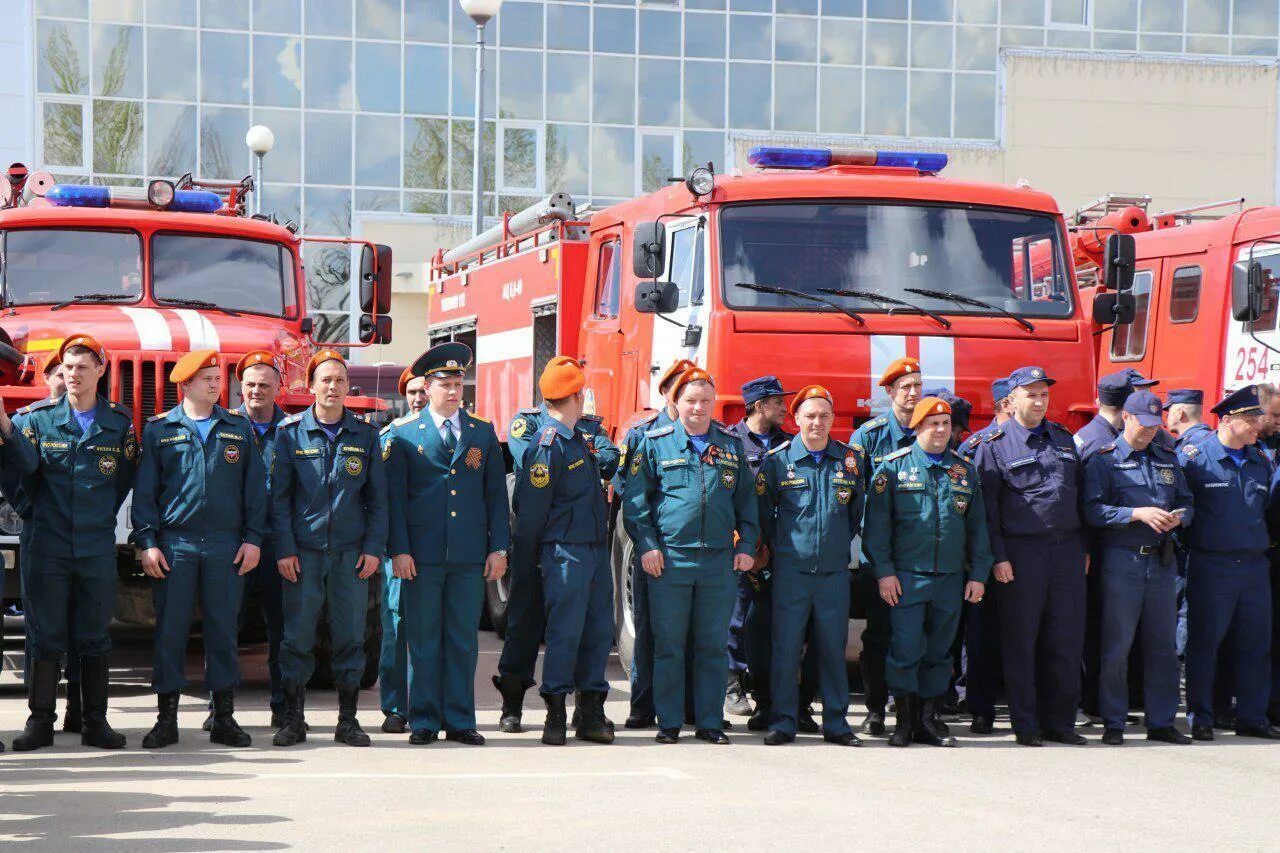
(843, 739)
(226, 730)
(873, 724)
(42, 699)
(1224, 719)
(929, 729)
(592, 724)
(165, 731)
(805, 722)
(640, 721)
(736, 703)
(1201, 731)
(95, 730)
(294, 728)
(1028, 739)
(1115, 737)
(1266, 732)
(712, 736)
(667, 736)
(467, 737)
(207, 725)
(511, 688)
(73, 719)
(759, 720)
(982, 725)
(1069, 738)
(395, 724)
(422, 737)
(348, 730)
(554, 730)
(904, 728)
(1168, 734)
(777, 738)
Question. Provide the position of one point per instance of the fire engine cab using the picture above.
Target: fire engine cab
(823, 265)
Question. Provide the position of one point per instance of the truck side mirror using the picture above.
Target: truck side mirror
(377, 330)
(1247, 285)
(1114, 308)
(648, 250)
(657, 297)
(1118, 260)
(375, 279)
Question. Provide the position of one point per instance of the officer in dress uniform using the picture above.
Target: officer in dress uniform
(526, 617)
(329, 521)
(810, 497)
(925, 538)
(449, 533)
(561, 531)
(694, 519)
(872, 441)
(1135, 496)
(393, 663)
(1031, 481)
(642, 714)
(77, 455)
(1228, 589)
(1184, 416)
(200, 517)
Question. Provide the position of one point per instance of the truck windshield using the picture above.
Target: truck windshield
(230, 272)
(1010, 260)
(47, 265)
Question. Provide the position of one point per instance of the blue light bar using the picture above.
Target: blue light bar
(769, 157)
(78, 195)
(195, 201)
(766, 157)
(922, 161)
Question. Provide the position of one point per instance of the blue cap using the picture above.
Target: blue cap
(1146, 407)
(1240, 402)
(445, 358)
(1026, 376)
(758, 389)
(1115, 388)
(1000, 388)
(960, 407)
(1189, 396)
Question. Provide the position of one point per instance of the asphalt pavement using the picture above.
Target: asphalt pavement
(515, 793)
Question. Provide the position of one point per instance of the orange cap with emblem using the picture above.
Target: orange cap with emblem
(899, 368)
(562, 377)
(192, 363)
(258, 356)
(927, 407)
(320, 358)
(672, 373)
(87, 341)
(810, 392)
(49, 363)
(693, 374)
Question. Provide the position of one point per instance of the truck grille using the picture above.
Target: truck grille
(141, 383)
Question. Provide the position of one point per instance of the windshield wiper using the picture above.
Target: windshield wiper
(961, 299)
(800, 294)
(95, 297)
(197, 303)
(873, 296)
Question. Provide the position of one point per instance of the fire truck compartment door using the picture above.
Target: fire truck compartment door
(688, 269)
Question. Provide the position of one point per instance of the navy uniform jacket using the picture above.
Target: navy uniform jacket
(810, 511)
(876, 439)
(1093, 436)
(1194, 434)
(218, 488)
(969, 446)
(529, 423)
(559, 492)
(1030, 482)
(452, 509)
(1231, 502)
(328, 495)
(753, 449)
(15, 463)
(1117, 480)
(678, 500)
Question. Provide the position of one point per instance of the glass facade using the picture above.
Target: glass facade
(371, 101)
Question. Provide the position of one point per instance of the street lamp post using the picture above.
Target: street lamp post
(480, 11)
(260, 140)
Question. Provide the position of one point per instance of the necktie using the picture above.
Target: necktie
(450, 440)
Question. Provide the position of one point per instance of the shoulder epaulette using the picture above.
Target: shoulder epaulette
(291, 420)
(665, 429)
(46, 403)
(236, 414)
(840, 445)
(386, 429)
(880, 421)
(599, 419)
(158, 417)
(122, 410)
(478, 418)
(1189, 450)
(1107, 448)
(647, 419)
(993, 435)
(548, 437)
(782, 446)
(897, 454)
(720, 424)
(534, 410)
(404, 419)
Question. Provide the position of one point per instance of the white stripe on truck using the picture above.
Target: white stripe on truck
(505, 346)
(152, 328)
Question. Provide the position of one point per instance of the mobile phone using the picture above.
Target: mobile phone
(1180, 511)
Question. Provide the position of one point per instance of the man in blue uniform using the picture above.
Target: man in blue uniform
(1135, 497)
(1184, 416)
(810, 496)
(393, 664)
(1228, 589)
(561, 530)
(1031, 480)
(526, 617)
(873, 441)
(449, 533)
(329, 520)
(925, 537)
(200, 517)
(77, 455)
(694, 519)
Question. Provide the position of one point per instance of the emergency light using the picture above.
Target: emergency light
(769, 157)
(150, 197)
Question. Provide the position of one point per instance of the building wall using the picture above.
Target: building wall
(16, 104)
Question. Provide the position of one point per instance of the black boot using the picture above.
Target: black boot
(579, 703)
(512, 688)
(553, 730)
(96, 731)
(348, 730)
(929, 729)
(42, 698)
(73, 720)
(904, 731)
(226, 730)
(165, 731)
(876, 694)
(294, 729)
(592, 725)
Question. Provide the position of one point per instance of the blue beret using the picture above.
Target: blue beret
(758, 389)
(1028, 375)
(1240, 402)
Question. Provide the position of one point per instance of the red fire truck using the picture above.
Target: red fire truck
(154, 272)
(822, 266)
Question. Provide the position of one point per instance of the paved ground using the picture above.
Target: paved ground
(635, 795)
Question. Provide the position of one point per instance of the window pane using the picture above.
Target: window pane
(328, 17)
(177, 12)
(760, 5)
(1073, 39)
(1253, 47)
(378, 77)
(613, 98)
(930, 104)
(329, 74)
(520, 25)
(751, 37)
(568, 27)
(976, 48)
(462, 160)
(842, 41)
(378, 19)
(520, 159)
(1113, 15)
(378, 151)
(931, 10)
(702, 147)
(1160, 44)
(1208, 44)
(656, 160)
(63, 130)
(223, 155)
(1184, 296)
(520, 93)
(117, 61)
(284, 201)
(171, 139)
(1207, 16)
(328, 147)
(608, 279)
(977, 11)
(704, 94)
(1254, 18)
(1021, 37)
(886, 44)
(170, 72)
(796, 39)
(795, 98)
(63, 8)
(659, 32)
(117, 137)
(1162, 15)
(426, 20)
(613, 152)
(277, 71)
(64, 57)
(284, 163)
(328, 270)
(464, 83)
(894, 9)
(615, 30)
(425, 69)
(975, 106)
(425, 203)
(224, 66)
(797, 7)
(659, 104)
(327, 211)
(225, 14)
(930, 46)
(1131, 343)
(568, 153)
(568, 96)
(276, 16)
(241, 275)
(426, 153)
(886, 103)
(704, 35)
(1022, 13)
(750, 85)
(841, 102)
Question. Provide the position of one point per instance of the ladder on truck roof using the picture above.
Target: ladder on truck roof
(1104, 205)
(517, 232)
(1111, 202)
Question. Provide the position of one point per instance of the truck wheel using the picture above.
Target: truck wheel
(497, 594)
(620, 556)
(322, 677)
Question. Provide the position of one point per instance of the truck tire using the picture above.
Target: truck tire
(497, 594)
(322, 677)
(620, 557)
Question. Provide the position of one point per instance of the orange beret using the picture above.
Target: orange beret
(926, 407)
(899, 368)
(49, 363)
(673, 372)
(402, 386)
(562, 377)
(258, 356)
(809, 392)
(320, 358)
(192, 363)
(693, 374)
(83, 341)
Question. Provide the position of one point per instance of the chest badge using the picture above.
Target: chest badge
(760, 483)
(519, 427)
(851, 463)
(728, 478)
(107, 465)
(539, 475)
(635, 465)
(354, 466)
(473, 458)
(956, 473)
(961, 504)
(1166, 476)
(881, 482)
(844, 494)
(231, 454)
(130, 447)
(386, 450)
